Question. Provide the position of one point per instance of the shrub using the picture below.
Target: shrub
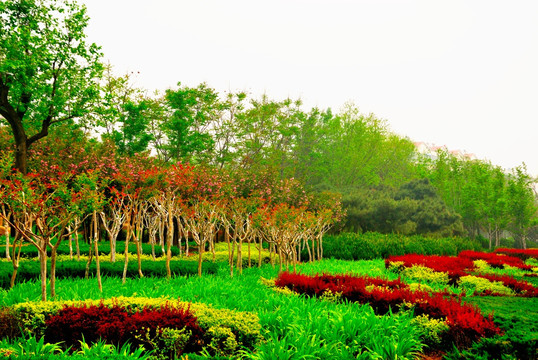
(244, 327)
(29, 269)
(481, 286)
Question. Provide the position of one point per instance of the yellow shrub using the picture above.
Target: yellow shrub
(431, 329)
(422, 273)
(472, 284)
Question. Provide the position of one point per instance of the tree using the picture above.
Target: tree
(187, 129)
(48, 73)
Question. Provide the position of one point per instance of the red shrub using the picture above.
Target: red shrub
(523, 254)
(495, 260)
(454, 266)
(115, 325)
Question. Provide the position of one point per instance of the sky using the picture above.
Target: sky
(463, 74)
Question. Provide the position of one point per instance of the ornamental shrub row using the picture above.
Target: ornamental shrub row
(523, 254)
(30, 251)
(371, 245)
(150, 321)
(458, 269)
(29, 270)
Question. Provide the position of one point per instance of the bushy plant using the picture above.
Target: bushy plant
(481, 286)
(117, 326)
(244, 328)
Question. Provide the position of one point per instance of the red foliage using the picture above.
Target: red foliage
(453, 265)
(466, 322)
(495, 260)
(116, 325)
(523, 254)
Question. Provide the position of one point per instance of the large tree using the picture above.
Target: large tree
(48, 72)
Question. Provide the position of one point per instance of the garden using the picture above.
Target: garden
(190, 224)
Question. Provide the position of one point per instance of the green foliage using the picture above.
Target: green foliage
(30, 269)
(353, 246)
(48, 72)
(414, 208)
(517, 317)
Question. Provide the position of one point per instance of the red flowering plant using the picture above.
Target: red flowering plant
(462, 265)
(465, 321)
(454, 266)
(495, 260)
(523, 254)
(117, 325)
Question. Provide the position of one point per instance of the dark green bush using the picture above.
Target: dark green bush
(29, 270)
(29, 251)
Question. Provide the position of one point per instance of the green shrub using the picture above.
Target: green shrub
(371, 245)
(29, 269)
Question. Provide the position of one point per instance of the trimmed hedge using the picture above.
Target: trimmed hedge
(29, 269)
(371, 245)
(30, 251)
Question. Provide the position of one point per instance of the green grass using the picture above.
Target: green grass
(297, 327)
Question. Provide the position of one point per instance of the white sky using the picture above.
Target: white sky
(458, 73)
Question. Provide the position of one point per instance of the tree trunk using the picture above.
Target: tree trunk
(96, 249)
(240, 255)
(169, 238)
(53, 273)
(43, 272)
(260, 253)
(200, 253)
(21, 152)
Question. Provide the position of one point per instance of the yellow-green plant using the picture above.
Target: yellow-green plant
(424, 274)
(474, 284)
(431, 329)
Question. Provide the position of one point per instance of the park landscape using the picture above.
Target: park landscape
(188, 224)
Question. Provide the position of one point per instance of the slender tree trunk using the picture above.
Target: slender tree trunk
(52, 275)
(43, 272)
(70, 245)
(249, 256)
(200, 253)
(96, 249)
(240, 255)
(260, 253)
(169, 238)
(126, 254)
(15, 260)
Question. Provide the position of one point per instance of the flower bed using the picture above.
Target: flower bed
(465, 264)
(171, 326)
(496, 260)
(523, 254)
(454, 266)
(466, 323)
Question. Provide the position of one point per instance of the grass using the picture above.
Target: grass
(297, 327)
